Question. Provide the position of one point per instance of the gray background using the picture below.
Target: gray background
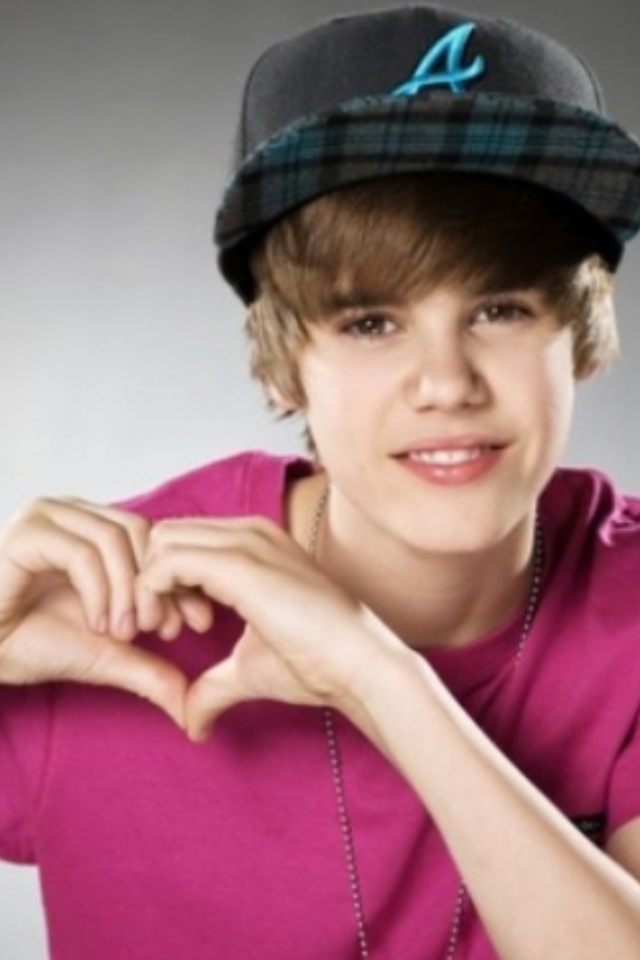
(121, 357)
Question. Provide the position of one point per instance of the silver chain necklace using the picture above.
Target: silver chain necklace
(335, 754)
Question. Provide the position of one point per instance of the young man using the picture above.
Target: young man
(433, 749)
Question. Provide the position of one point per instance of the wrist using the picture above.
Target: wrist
(375, 678)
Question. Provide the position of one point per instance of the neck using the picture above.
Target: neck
(428, 599)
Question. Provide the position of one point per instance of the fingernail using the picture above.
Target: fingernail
(198, 620)
(127, 626)
(169, 631)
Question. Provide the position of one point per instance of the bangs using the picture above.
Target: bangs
(395, 240)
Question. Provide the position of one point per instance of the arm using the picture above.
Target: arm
(541, 888)
(624, 846)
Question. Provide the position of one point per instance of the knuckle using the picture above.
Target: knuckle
(262, 533)
(29, 517)
(157, 536)
(111, 537)
(85, 557)
(139, 526)
(264, 525)
(45, 502)
(72, 501)
(34, 509)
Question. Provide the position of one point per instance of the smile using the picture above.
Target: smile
(448, 457)
(452, 462)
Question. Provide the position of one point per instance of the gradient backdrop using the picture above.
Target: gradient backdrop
(121, 357)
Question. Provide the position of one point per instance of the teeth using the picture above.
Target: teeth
(446, 458)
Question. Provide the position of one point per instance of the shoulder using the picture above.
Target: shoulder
(584, 510)
(251, 482)
(592, 546)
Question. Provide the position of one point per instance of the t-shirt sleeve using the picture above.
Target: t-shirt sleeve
(25, 725)
(624, 786)
(244, 484)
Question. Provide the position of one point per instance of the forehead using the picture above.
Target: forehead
(395, 241)
(364, 293)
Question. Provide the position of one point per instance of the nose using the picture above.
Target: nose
(444, 374)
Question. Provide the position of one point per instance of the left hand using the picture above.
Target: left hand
(306, 639)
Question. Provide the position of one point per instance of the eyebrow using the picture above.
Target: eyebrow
(337, 302)
(340, 301)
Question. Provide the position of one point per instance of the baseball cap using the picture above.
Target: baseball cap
(420, 89)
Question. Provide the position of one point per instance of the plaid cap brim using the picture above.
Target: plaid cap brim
(570, 150)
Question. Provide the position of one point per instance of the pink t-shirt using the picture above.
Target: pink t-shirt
(154, 848)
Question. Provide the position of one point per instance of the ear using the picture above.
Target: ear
(588, 371)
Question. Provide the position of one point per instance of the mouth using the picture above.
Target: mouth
(448, 456)
(452, 460)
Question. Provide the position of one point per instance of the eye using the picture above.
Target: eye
(370, 326)
(503, 311)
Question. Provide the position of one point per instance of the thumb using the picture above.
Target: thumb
(209, 696)
(142, 673)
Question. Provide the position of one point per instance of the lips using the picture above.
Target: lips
(452, 460)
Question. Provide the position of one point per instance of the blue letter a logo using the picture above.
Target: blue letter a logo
(450, 47)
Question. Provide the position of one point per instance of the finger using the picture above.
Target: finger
(118, 538)
(188, 607)
(209, 696)
(142, 673)
(196, 610)
(256, 535)
(171, 622)
(220, 574)
(136, 527)
(121, 539)
(153, 610)
(40, 548)
(165, 614)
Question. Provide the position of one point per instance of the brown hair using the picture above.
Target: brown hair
(412, 233)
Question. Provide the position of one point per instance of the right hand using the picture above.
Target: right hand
(67, 603)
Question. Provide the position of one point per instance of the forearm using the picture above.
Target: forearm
(541, 888)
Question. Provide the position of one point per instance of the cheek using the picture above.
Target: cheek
(337, 390)
(325, 387)
(328, 400)
(345, 409)
(559, 377)
(547, 385)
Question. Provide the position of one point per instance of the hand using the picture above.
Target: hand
(306, 640)
(67, 602)
(78, 581)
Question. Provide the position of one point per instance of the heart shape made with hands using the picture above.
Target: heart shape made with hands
(288, 603)
(81, 621)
